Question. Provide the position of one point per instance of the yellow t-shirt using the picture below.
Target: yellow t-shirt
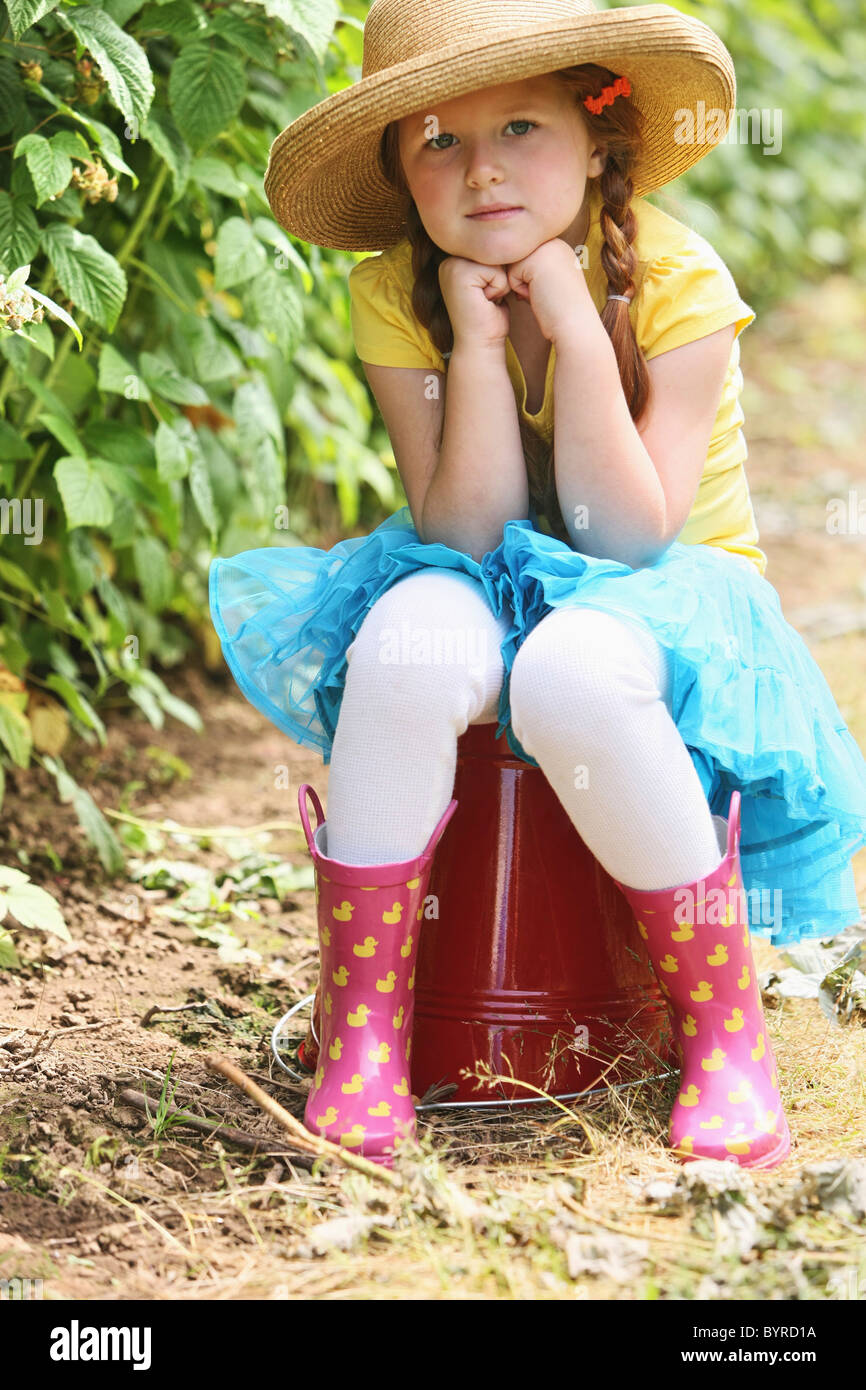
(683, 291)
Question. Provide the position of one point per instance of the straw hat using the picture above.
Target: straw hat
(324, 181)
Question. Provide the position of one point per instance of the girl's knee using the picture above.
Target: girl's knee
(432, 639)
(579, 663)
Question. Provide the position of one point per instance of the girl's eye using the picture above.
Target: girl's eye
(445, 135)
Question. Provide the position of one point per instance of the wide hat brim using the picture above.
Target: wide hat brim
(324, 181)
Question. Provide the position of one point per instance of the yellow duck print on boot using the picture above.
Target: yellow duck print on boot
(386, 986)
(341, 976)
(690, 1028)
(669, 963)
(406, 951)
(683, 933)
(328, 1118)
(737, 1146)
(703, 993)
(336, 1049)
(715, 1122)
(329, 1004)
(368, 948)
(690, 1096)
(353, 1087)
(738, 1096)
(413, 883)
(401, 1087)
(392, 917)
(343, 913)
(715, 1061)
(719, 956)
(745, 978)
(759, 1049)
(381, 1054)
(354, 1137)
(383, 1108)
(735, 1022)
(359, 1017)
(397, 1020)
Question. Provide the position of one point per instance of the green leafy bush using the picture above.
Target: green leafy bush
(178, 375)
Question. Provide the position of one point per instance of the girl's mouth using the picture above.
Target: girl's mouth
(494, 216)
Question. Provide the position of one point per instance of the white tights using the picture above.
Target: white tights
(589, 702)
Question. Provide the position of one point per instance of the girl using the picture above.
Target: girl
(557, 364)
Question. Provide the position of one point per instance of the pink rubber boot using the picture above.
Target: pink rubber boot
(369, 923)
(697, 936)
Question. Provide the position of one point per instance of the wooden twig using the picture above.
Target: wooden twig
(59, 1030)
(253, 1143)
(307, 1141)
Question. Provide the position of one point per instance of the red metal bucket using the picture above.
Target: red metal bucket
(529, 957)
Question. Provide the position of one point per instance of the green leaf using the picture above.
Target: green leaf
(19, 231)
(122, 61)
(246, 31)
(217, 175)
(314, 20)
(119, 376)
(91, 819)
(91, 277)
(165, 380)
(256, 415)
(31, 906)
(50, 168)
(173, 455)
(15, 735)
(148, 704)
(80, 707)
(58, 312)
(202, 493)
(13, 112)
(12, 574)
(154, 572)
(12, 444)
(240, 256)
(206, 90)
(161, 132)
(25, 13)
(182, 711)
(86, 499)
(63, 433)
(278, 308)
(9, 958)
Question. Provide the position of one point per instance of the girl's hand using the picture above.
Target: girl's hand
(471, 291)
(552, 279)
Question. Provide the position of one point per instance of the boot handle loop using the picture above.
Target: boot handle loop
(733, 845)
(303, 792)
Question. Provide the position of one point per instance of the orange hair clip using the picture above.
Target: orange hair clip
(608, 95)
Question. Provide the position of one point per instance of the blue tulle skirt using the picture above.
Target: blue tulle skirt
(749, 700)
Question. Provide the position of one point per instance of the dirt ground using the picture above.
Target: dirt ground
(102, 1201)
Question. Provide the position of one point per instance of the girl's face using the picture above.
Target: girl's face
(522, 144)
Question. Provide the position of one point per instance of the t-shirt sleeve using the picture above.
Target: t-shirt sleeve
(687, 294)
(385, 330)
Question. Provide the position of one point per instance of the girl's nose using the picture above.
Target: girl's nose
(483, 165)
